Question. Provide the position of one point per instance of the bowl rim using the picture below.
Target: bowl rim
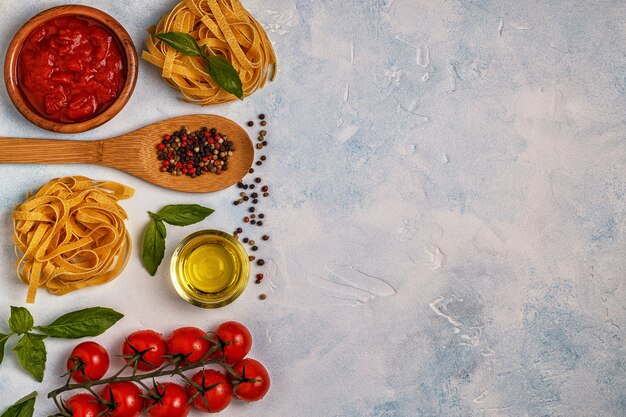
(15, 47)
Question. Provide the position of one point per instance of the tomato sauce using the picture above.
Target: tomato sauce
(71, 69)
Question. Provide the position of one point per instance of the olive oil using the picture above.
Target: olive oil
(210, 268)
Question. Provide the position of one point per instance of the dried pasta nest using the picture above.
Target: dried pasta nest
(228, 30)
(71, 234)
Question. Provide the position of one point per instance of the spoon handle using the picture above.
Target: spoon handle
(50, 151)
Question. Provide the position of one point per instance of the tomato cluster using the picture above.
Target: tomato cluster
(208, 390)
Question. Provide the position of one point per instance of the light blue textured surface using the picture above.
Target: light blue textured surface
(447, 214)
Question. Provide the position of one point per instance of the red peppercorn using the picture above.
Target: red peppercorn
(207, 134)
(265, 188)
(246, 219)
(166, 163)
(160, 146)
(259, 276)
(163, 169)
(166, 137)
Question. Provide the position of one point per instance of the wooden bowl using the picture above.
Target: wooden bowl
(11, 61)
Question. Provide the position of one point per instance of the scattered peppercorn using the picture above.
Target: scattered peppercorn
(255, 248)
(266, 194)
(259, 276)
(265, 237)
(252, 242)
(246, 219)
(264, 143)
(246, 240)
(255, 201)
(262, 297)
(251, 258)
(263, 123)
(251, 170)
(259, 223)
(240, 230)
(251, 209)
(265, 188)
(261, 116)
(250, 123)
(252, 221)
(258, 281)
(259, 163)
(252, 186)
(259, 146)
(257, 180)
(263, 157)
(260, 262)
(261, 216)
(263, 132)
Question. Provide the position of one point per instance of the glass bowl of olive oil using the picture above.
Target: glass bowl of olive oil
(210, 268)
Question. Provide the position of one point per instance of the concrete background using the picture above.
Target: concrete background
(447, 214)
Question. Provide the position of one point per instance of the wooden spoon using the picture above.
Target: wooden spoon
(136, 153)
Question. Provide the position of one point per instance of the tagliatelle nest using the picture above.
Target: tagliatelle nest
(228, 30)
(71, 234)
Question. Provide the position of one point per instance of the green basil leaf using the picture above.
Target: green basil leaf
(159, 225)
(91, 321)
(184, 214)
(153, 249)
(24, 407)
(31, 353)
(182, 42)
(225, 75)
(3, 341)
(21, 321)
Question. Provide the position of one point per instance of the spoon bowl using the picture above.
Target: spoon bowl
(136, 153)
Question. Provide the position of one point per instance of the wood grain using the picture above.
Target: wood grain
(136, 153)
(13, 52)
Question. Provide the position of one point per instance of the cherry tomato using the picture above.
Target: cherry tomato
(253, 382)
(218, 394)
(173, 402)
(89, 360)
(189, 342)
(126, 397)
(83, 405)
(149, 341)
(234, 341)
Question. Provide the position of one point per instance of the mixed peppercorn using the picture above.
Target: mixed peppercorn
(251, 194)
(195, 153)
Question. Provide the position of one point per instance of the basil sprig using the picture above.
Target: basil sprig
(30, 348)
(222, 71)
(24, 407)
(153, 249)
